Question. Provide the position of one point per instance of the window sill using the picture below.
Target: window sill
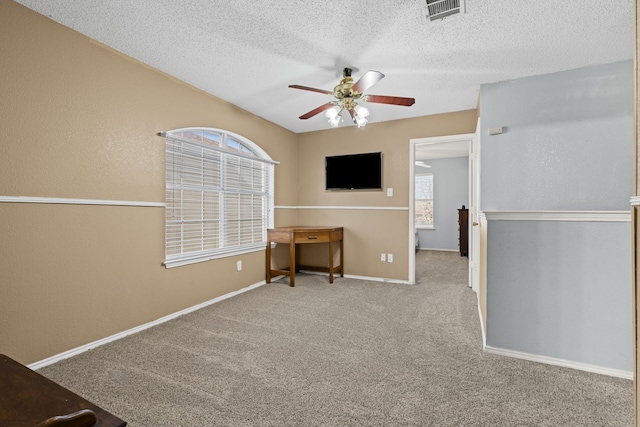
(178, 261)
(425, 227)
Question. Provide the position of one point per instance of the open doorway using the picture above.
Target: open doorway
(433, 217)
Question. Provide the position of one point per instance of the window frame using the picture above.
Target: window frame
(231, 149)
(417, 200)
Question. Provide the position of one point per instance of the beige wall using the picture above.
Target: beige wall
(368, 233)
(81, 121)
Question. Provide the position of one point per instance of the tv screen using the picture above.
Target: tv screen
(354, 172)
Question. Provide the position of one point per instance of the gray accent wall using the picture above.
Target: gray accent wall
(567, 143)
(450, 192)
(560, 289)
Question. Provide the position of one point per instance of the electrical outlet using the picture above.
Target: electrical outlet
(383, 257)
(239, 266)
(390, 258)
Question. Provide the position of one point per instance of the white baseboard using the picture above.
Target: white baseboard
(351, 276)
(378, 279)
(561, 362)
(440, 250)
(75, 351)
(484, 336)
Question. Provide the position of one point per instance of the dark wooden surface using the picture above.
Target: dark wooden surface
(463, 227)
(28, 399)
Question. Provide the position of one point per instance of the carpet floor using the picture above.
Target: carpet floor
(355, 353)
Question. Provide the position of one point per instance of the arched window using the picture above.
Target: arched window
(219, 195)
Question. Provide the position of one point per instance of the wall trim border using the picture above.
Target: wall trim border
(575, 216)
(75, 351)
(67, 201)
(352, 276)
(366, 208)
(635, 201)
(619, 373)
(378, 279)
(484, 335)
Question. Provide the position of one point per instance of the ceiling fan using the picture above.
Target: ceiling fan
(348, 93)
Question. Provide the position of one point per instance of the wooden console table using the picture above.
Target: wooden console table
(304, 235)
(29, 399)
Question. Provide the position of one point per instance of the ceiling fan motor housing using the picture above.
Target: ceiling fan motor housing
(344, 91)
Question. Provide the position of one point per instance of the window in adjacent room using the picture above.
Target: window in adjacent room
(219, 195)
(424, 200)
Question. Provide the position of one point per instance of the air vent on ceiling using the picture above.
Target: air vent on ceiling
(438, 9)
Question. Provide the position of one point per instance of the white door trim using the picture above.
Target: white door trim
(474, 209)
(412, 156)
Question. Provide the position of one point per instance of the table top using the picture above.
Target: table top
(307, 228)
(28, 398)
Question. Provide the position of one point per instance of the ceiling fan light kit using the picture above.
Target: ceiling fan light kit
(333, 114)
(361, 115)
(347, 94)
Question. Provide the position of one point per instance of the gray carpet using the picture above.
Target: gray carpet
(355, 353)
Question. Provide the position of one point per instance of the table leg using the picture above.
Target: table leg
(292, 262)
(331, 261)
(268, 266)
(342, 257)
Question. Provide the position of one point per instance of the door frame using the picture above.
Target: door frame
(411, 215)
(474, 211)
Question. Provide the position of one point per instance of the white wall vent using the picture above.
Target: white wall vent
(438, 9)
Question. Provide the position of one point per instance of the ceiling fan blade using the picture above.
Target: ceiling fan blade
(318, 110)
(394, 100)
(369, 79)
(312, 89)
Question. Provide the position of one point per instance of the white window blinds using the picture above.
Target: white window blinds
(219, 196)
(424, 200)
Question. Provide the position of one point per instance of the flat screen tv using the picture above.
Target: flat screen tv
(354, 172)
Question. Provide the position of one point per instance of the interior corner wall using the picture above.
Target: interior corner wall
(560, 289)
(450, 193)
(80, 121)
(636, 213)
(374, 223)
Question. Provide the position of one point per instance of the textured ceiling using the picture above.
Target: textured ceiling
(248, 51)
